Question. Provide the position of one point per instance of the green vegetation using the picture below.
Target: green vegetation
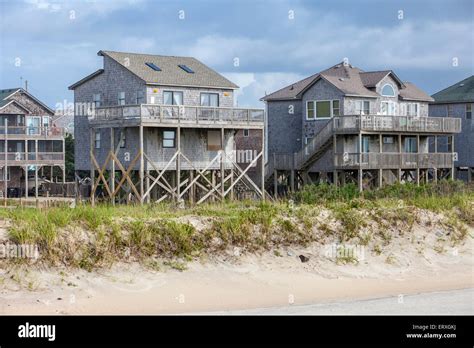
(90, 237)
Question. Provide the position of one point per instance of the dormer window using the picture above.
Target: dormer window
(388, 91)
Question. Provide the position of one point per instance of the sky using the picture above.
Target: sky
(259, 45)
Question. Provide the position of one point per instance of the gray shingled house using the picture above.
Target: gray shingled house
(29, 143)
(458, 101)
(347, 125)
(160, 127)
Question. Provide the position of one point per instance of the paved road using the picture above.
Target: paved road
(452, 302)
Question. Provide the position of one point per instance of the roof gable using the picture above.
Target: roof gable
(351, 81)
(30, 104)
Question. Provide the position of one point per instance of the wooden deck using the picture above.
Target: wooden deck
(155, 115)
(405, 124)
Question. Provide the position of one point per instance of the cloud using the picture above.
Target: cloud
(254, 86)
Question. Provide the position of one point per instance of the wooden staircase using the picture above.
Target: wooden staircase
(306, 157)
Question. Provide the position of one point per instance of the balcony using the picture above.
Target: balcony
(31, 158)
(408, 124)
(174, 115)
(393, 160)
(28, 132)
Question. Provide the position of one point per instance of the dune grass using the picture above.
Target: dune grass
(89, 237)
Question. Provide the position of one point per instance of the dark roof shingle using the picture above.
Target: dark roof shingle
(462, 91)
(351, 81)
(170, 73)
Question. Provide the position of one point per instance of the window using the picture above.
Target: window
(121, 98)
(214, 140)
(97, 140)
(186, 68)
(388, 91)
(323, 109)
(365, 144)
(2, 177)
(468, 111)
(450, 110)
(96, 98)
(169, 139)
(387, 108)
(172, 98)
(335, 108)
(388, 140)
(210, 99)
(45, 121)
(412, 109)
(410, 145)
(246, 132)
(139, 97)
(123, 138)
(310, 110)
(153, 66)
(362, 107)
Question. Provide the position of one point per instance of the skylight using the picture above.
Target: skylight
(186, 68)
(153, 66)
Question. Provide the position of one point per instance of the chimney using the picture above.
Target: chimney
(26, 85)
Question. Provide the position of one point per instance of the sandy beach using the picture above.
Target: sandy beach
(235, 282)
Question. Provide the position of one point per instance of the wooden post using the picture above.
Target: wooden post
(452, 154)
(222, 163)
(112, 164)
(263, 164)
(92, 137)
(275, 177)
(469, 174)
(147, 185)
(26, 182)
(5, 167)
(360, 174)
(142, 164)
(192, 189)
(232, 184)
(178, 162)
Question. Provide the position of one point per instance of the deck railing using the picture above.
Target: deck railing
(394, 160)
(21, 158)
(180, 114)
(27, 131)
(383, 123)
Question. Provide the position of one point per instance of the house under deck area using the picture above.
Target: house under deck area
(150, 153)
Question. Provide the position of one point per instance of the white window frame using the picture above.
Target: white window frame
(389, 103)
(362, 107)
(172, 97)
(470, 111)
(120, 98)
(316, 118)
(385, 95)
(409, 105)
(96, 99)
(168, 138)
(97, 140)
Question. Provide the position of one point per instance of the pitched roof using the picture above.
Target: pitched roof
(6, 93)
(462, 91)
(170, 72)
(412, 92)
(87, 78)
(291, 91)
(351, 81)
